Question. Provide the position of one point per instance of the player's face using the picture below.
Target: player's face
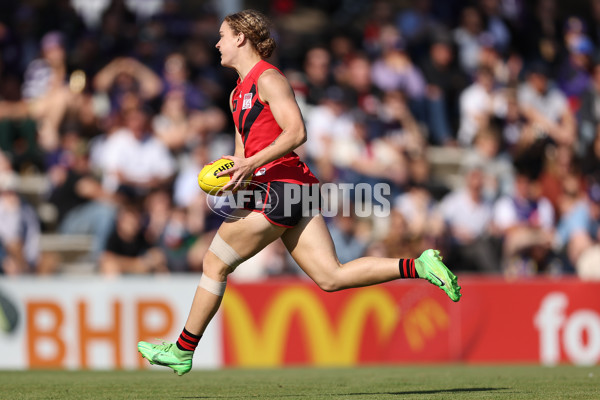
(227, 45)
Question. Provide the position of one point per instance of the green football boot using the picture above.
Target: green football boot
(167, 355)
(430, 266)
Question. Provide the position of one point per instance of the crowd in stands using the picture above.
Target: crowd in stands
(119, 109)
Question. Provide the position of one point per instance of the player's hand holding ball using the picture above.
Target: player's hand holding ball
(229, 173)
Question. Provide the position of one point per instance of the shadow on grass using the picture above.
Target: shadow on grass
(408, 392)
(456, 390)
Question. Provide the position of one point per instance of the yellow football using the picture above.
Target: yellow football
(210, 182)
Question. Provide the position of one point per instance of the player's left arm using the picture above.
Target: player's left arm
(275, 90)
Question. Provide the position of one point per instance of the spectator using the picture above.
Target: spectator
(397, 242)
(361, 158)
(45, 90)
(418, 207)
(468, 216)
(574, 72)
(83, 206)
(589, 111)
(187, 114)
(128, 251)
(118, 29)
(490, 56)
(590, 164)
(516, 133)
(546, 107)
(417, 23)
(19, 230)
(176, 78)
(576, 228)
(348, 244)
(497, 26)
(445, 81)
(135, 160)
(559, 165)
(581, 227)
(593, 21)
(467, 37)
(541, 36)
(498, 169)
(394, 70)
(525, 220)
(380, 14)
(479, 102)
(317, 74)
(327, 123)
(357, 79)
(125, 75)
(184, 247)
(182, 242)
(399, 128)
(184, 193)
(172, 124)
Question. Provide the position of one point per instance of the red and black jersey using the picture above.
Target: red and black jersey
(258, 129)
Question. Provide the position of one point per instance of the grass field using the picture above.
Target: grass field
(419, 382)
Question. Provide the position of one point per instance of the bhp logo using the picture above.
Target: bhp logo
(578, 334)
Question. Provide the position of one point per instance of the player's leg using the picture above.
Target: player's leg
(311, 246)
(237, 239)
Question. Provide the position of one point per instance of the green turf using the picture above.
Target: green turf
(422, 382)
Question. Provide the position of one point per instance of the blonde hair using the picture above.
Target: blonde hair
(256, 27)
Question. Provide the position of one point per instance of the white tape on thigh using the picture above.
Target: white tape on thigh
(212, 286)
(225, 252)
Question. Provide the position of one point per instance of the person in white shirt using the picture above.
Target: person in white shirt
(478, 103)
(134, 158)
(467, 214)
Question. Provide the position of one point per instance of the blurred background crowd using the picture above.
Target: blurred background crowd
(482, 116)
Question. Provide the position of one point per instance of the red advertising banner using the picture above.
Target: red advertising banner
(289, 323)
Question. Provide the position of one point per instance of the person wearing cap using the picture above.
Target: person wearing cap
(574, 74)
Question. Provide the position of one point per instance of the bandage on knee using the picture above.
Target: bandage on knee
(225, 252)
(212, 286)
